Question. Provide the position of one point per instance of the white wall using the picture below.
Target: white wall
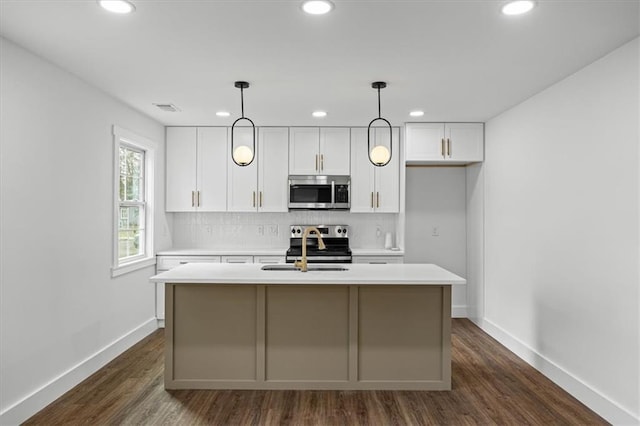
(561, 228)
(59, 305)
(475, 241)
(435, 197)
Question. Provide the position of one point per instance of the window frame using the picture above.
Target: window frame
(128, 139)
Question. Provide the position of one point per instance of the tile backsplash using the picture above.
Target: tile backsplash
(271, 230)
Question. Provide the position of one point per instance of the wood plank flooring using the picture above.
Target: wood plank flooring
(490, 386)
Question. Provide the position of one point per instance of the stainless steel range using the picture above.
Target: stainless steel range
(335, 238)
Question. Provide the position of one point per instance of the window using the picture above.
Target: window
(133, 201)
(131, 230)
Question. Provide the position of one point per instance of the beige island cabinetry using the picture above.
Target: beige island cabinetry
(236, 326)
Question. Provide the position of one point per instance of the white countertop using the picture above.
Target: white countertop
(250, 273)
(269, 252)
(224, 252)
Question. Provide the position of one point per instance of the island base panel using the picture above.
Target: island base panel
(308, 337)
(307, 333)
(215, 338)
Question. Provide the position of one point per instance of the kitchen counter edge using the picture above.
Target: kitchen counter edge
(358, 274)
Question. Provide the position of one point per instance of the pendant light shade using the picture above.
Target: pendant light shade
(242, 155)
(380, 155)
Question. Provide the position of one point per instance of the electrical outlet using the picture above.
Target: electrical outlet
(435, 231)
(273, 230)
(260, 229)
(378, 231)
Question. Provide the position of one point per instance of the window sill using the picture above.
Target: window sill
(116, 271)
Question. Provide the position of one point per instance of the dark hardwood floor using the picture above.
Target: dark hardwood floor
(490, 386)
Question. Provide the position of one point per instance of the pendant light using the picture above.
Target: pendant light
(243, 155)
(380, 155)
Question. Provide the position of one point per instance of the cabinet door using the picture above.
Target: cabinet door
(212, 169)
(273, 148)
(335, 151)
(425, 142)
(181, 169)
(242, 186)
(304, 158)
(465, 141)
(268, 259)
(362, 173)
(387, 178)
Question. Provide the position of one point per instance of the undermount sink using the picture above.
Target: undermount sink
(309, 268)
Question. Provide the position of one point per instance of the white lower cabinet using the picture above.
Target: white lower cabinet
(378, 259)
(268, 259)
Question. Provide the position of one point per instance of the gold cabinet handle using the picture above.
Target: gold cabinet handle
(449, 147)
(198, 199)
(260, 199)
(193, 198)
(442, 147)
(254, 198)
(321, 161)
(372, 200)
(377, 200)
(316, 162)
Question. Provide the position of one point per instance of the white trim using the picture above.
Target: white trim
(30, 405)
(583, 392)
(459, 311)
(132, 266)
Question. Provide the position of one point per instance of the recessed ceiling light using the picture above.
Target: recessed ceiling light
(223, 114)
(416, 113)
(319, 114)
(117, 6)
(518, 7)
(317, 7)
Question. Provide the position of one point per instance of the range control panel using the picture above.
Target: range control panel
(332, 231)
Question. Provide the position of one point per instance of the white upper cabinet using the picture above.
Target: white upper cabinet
(273, 149)
(436, 143)
(196, 169)
(334, 151)
(181, 169)
(262, 185)
(213, 150)
(319, 151)
(242, 186)
(304, 144)
(374, 189)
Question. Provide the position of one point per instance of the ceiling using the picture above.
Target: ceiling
(457, 60)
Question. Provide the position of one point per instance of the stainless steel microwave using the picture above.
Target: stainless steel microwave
(311, 192)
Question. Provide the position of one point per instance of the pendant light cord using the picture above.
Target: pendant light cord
(242, 100)
(379, 113)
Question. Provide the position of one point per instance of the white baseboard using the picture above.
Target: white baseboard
(160, 322)
(459, 311)
(27, 407)
(605, 407)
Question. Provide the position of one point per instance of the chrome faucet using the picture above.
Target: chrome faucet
(302, 263)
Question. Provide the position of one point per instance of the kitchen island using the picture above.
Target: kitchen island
(236, 326)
